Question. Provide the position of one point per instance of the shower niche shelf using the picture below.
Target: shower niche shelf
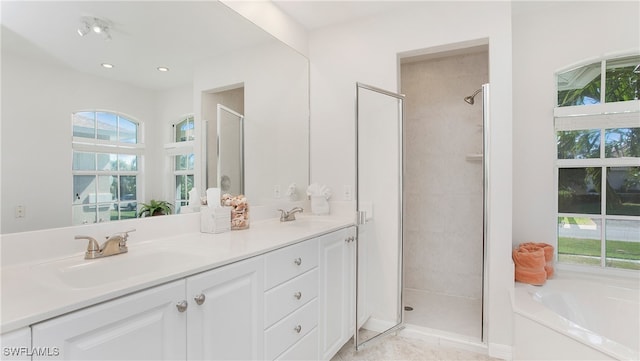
(474, 157)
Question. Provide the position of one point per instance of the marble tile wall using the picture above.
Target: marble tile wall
(443, 188)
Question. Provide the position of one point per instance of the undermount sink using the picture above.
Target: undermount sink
(80, 273)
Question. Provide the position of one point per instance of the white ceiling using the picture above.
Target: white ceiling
(145, 35)
(317, 14)
(149, 34)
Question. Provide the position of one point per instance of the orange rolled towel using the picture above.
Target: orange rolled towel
(548, 255)
(530, 264)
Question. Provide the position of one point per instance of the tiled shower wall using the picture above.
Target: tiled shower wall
(443, 175)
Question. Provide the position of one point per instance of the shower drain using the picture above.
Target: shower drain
(408, 308)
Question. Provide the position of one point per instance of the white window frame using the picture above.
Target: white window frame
(623, 114)
(101, 146)
(176, 148)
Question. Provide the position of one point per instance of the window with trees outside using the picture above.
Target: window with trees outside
(183, 160)
(597, 123)
(105, 168)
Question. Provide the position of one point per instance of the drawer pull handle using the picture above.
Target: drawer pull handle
(297, 261)
(297, 295)
(298, 329)
(199, 299)
(182, 306)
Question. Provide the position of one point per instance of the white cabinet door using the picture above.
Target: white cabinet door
(16, 345)
(143, 326)
(228, 324)
(337, 291)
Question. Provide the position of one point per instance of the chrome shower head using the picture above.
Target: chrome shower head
(470, 99)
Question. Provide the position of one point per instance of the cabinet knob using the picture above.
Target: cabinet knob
(199, 299)
(182, 305)
(297, 295)
(298, 329)
(297, 261)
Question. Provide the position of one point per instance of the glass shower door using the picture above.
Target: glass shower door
(379, 204)
(230, 150)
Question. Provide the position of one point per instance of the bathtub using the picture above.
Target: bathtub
(576, 316)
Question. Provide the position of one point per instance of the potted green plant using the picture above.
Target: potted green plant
(155, 208)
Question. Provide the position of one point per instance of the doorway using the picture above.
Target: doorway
(443, 192)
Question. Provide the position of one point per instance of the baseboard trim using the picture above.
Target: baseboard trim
(504, 352)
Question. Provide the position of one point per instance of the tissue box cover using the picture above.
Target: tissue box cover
(215, 219)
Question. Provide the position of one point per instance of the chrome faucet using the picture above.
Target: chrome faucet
(115, 244)
(290, 215)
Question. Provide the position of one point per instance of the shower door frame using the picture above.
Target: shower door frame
(486, 120)
(362, 219)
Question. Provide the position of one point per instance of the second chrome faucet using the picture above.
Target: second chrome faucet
(115, 244)
(290, 215)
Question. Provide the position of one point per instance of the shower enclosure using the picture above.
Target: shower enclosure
(444, 192)
(421, 185)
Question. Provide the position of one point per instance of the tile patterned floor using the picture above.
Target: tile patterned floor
(450, 315)
(400, 348)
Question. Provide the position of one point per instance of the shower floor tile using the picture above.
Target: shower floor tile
(458, 315)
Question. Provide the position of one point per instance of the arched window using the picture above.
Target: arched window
(597, 125)
(107, 154)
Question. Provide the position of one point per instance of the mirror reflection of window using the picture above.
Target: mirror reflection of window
(183, 161)
(105, 167)
(184, 130)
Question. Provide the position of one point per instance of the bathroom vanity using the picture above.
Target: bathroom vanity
(280, 290)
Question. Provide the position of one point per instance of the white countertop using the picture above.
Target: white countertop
(31, 293)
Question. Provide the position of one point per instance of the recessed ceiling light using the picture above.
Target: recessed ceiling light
(107, 65)
(162, 68)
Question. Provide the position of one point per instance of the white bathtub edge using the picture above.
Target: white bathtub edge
(524, 305)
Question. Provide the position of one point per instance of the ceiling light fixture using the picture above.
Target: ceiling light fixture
(163, 68)
(96, 25)
(107, 65)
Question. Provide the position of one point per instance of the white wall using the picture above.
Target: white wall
(366, 51)
(271, 19)
(276, 107)
(569, 34)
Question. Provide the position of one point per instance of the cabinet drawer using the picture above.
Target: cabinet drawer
(289, 262)
(305, 349)
(290, 330)
(287, 297)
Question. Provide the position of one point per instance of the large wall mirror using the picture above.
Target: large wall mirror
(168, 59)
